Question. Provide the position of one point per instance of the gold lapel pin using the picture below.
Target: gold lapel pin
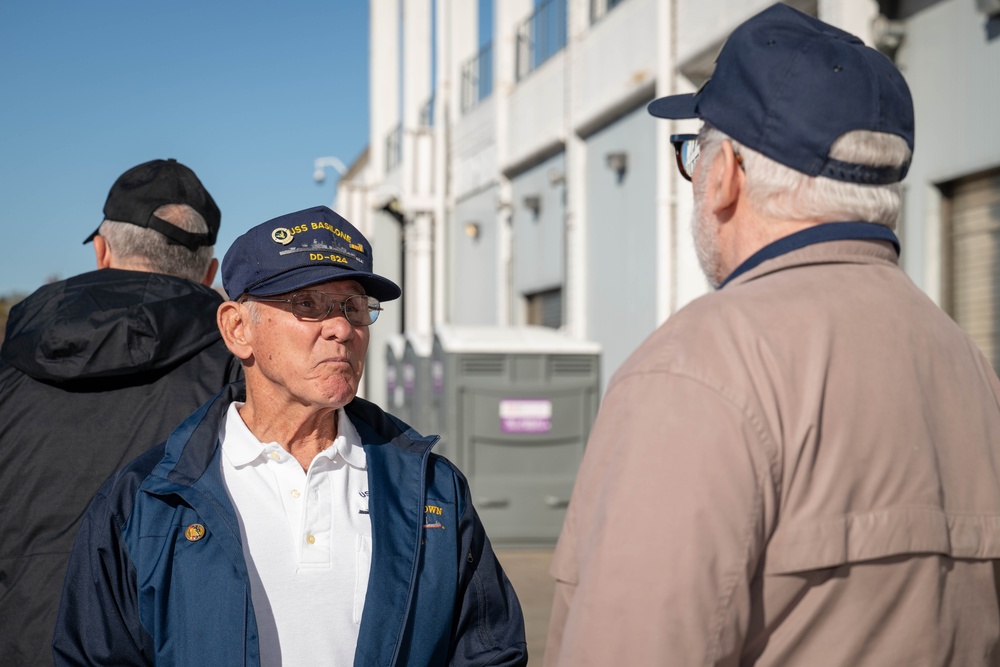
(194, 532)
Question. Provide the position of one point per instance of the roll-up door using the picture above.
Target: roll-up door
(973, 206)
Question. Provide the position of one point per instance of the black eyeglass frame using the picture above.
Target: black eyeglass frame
(678, 141)
(372, 306)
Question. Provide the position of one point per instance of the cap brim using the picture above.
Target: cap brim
(91, 237)
(374, 285)
(674, 106)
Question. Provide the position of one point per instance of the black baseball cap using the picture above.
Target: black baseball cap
(789, 85)
(144, 188)
(294, 251)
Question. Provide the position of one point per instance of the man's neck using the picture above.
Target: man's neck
(300, 430)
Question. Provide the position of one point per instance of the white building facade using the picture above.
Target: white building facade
(514, 177)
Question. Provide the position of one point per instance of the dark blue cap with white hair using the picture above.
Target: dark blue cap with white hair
(789, 85)
(298, 250)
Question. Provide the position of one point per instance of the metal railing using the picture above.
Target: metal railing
(394, 148)
(477, 78)
(540, 36)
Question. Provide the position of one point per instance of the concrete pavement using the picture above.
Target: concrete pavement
(528, 570)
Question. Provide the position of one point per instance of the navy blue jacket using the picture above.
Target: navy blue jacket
(139, 592)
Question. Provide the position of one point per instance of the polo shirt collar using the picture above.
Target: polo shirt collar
(242, 447)
(348, 443)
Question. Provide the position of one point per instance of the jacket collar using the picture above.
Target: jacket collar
(828, 231)
(192, 447)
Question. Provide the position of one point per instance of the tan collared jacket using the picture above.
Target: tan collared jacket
(802, 468)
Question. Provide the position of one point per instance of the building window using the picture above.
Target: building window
(972, 258)
(427, 110)
(540, 36)
(545, 308)
(598, 8)
(477, 71)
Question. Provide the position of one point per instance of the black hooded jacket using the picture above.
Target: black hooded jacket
(94, 371)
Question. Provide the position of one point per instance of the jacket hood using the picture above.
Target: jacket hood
(110, 323)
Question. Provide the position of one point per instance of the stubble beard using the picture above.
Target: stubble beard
(706, 244)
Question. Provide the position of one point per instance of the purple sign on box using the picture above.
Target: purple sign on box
(525, 415)
(437, 373)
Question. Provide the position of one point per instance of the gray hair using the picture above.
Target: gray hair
(148, 250)
(252, 308)
(779, 192)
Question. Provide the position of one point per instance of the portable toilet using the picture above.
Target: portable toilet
(517, 405)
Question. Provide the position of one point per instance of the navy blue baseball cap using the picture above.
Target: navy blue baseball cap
(788, 85)
(300, 249)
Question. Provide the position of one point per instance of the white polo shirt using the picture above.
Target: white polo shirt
(306, 540)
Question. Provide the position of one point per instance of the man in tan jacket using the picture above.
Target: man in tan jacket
(803, 467)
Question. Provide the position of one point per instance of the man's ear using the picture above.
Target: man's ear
(728, 178)
(234, 325)
(213, 267)
(102, 251)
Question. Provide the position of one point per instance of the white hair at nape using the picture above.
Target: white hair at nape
(782, 193)
(148, 250)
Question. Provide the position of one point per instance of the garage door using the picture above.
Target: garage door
(974, 211)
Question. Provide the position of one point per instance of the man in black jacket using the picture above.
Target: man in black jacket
(96, 369)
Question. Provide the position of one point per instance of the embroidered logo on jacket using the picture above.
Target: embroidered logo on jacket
(431, 512)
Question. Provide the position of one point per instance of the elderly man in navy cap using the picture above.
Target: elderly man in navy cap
(803, 467)
(288, 522)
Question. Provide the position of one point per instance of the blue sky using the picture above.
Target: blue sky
(246, 93)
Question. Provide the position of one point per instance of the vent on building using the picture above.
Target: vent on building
(482, 365)
(571, 364)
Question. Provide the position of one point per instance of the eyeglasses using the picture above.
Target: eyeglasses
(312, 306)
(688, 150)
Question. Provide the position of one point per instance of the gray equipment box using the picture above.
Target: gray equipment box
(417, 383)
(516, 406)
(394, 397)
